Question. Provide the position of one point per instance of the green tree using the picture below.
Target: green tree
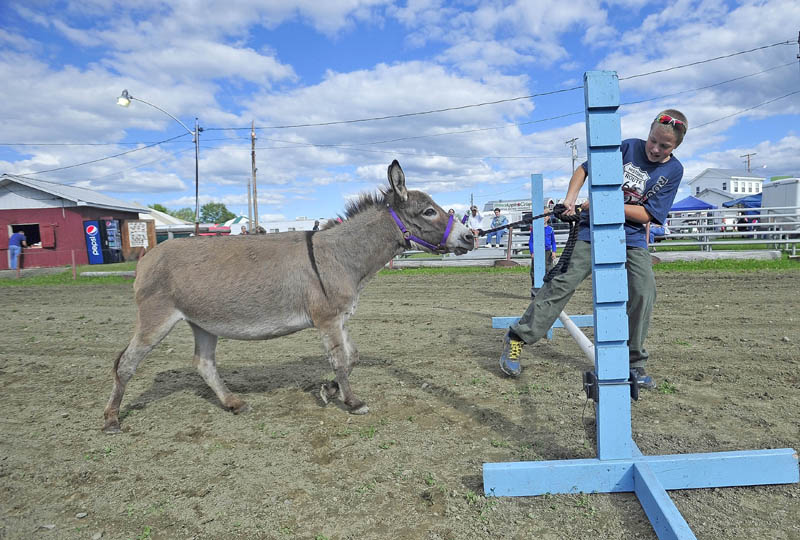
(186, 214)
(159, 207)
(215, 213)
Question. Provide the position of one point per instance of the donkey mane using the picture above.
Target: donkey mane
(364, 202)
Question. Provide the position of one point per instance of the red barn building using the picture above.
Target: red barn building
(63, 222)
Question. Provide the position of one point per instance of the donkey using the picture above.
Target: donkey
(266, 286)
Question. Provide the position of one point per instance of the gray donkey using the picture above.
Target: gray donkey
(266, 286)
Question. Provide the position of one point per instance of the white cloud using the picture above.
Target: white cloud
(16, 41)
(188, 60)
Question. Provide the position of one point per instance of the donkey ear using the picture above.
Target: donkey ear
(397, 180)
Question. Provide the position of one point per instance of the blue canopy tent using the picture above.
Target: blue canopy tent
(748, 201)
(691, 203)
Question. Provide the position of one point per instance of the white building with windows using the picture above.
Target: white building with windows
(301, 223)
(716, 186)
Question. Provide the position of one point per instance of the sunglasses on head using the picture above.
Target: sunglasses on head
(667, 120)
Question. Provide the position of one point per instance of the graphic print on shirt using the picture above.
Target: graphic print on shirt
(633, 183)
(660, 183)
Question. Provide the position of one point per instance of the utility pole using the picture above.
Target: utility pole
(748, 159)
(574, 148)
(249, 207)
(255, 190)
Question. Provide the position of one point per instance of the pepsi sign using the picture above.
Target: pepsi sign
(94, 248)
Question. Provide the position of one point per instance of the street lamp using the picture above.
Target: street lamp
(125, 99)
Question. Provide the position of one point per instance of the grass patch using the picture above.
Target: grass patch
(65, 277)
(667, 387)
(728, 265)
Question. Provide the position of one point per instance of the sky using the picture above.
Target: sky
(335, 90)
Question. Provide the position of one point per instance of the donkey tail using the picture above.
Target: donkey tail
(116, 366)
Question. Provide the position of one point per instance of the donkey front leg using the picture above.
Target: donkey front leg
(342, 356)
(205, 346)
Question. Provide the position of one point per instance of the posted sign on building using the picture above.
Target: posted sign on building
(137, 234)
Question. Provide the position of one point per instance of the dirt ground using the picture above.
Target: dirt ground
(725, 348)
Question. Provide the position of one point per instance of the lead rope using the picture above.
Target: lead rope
(563, 261)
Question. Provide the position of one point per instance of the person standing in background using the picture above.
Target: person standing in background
(549, 251)
(475, 222)
(15, 244)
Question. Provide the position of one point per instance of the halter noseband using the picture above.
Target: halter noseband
(410, 237)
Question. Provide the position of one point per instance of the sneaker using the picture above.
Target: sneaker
(643, 379)
(509, 360)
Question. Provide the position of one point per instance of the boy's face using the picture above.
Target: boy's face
(660, 144)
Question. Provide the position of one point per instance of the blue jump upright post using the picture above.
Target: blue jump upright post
(619, 465)
(537, 228)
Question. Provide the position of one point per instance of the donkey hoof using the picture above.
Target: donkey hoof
(111, 428)
(361, 409)
(236, 405)
(243, 408)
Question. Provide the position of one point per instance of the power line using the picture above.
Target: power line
(107, 157)
(406, 115)
(171, 156)
(706, 61)
(89, 144)
(748, 109)
(496, 102)
(356, 147)
(708, 86)
(411, 154)
(474, 130)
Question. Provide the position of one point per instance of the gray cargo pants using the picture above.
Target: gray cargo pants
(551, 299)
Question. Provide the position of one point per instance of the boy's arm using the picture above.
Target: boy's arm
(575, 185)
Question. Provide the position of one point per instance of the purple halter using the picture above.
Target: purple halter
(410, 237)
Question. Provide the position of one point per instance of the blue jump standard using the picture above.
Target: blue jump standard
(620, 466)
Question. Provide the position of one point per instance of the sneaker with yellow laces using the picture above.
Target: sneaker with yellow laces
(509, 360)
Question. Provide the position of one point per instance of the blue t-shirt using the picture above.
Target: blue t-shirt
(549, 239)
(652, 185)
(16, 239)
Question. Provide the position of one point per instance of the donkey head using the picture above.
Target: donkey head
(422, 221)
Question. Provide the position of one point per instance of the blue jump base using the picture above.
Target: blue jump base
(620, 466)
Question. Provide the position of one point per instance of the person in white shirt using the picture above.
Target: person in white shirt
(475, 222)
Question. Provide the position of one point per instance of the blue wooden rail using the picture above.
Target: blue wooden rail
(620, 466)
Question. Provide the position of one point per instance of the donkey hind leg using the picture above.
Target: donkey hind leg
(205, 346)
(150, 330)
(342, 356)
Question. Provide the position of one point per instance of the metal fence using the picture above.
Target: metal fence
(775, 227)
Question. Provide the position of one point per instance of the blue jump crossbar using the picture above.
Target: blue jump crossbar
(619, 465)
